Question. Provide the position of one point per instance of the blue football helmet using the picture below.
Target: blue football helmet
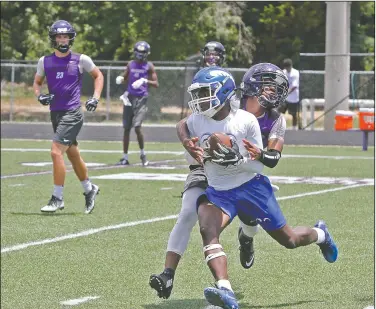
(211, 89)
(141, 50)
(61, 27)
(267, 82)
(213, 54)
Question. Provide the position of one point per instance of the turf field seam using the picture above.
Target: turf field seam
(152, 220)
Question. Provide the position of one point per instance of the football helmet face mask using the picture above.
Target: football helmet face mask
(267, 82)
(61, 27)
(141, 50)
(213, 54)
(211, 89)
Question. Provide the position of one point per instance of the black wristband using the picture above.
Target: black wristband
(270, 157)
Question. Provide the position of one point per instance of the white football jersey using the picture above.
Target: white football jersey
(240, 125)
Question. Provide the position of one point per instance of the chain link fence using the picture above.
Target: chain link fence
(168, 103)
(362, 84)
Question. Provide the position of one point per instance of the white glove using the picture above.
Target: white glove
(138, 83)
(124, 98)
(275, 188)
(119, 80)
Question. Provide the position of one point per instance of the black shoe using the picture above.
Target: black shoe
(162, 283)
(144, 161)
(90, 199)
(247, 252)
(123, 161)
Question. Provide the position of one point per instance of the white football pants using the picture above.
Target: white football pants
(180, 234)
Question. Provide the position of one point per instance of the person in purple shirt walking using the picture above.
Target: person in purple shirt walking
(63, 71)
(139, 74)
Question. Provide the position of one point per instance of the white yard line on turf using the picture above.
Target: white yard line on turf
(78, 301)
(134, 223)
(93, 151)
(285, 156)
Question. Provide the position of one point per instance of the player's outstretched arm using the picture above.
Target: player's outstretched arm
(269, 157)
(189, 142)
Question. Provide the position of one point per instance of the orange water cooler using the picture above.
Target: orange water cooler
(343, 120)
(367, 119)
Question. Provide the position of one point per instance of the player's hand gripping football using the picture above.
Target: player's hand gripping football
(195, 151)
(226, 156)
(253, 150)
(91, 104)
(45, 99)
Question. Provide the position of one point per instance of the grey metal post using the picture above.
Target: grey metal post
(11, 93)
(312, 111)
(337, 62)
(108, 97)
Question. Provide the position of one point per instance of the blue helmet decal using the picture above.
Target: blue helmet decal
(267, 82)
(61, 27)
(141, 50)
(211, 89)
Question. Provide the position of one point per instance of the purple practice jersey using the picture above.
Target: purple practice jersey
(138, 70)
(64, 80)
(266, 122)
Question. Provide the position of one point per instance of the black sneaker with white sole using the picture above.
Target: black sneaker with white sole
(53, 205)
(247, 252)
(123, 161)
(90, 199)
(162, 283)
(144, 161)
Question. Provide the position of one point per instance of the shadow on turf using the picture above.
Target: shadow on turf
(46, 214)
(284, 305)
(203, 304)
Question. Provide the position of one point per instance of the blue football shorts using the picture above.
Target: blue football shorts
(252, 201)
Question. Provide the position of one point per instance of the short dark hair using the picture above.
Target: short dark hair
(287, 63)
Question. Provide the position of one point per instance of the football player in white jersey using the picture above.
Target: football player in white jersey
(213, 54)
(236, 186)
(272, 127)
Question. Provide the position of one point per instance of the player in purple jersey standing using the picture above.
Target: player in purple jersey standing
(139, 74)
(63, 71)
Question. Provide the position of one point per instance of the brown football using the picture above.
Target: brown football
(218, 138)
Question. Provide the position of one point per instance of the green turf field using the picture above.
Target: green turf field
(110, 254)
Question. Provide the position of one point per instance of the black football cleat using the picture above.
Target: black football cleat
(247, 252)
(163, 284)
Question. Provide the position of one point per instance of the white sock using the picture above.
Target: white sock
(58, 192)
(320, 235)
(249, 230)
(224, 283)
(86, 184)
(142, 152)
(125, 156)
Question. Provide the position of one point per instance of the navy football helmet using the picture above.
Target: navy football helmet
(213, 54)
(211, 89)
(141, 50)
(267, 82)
(61, 27)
